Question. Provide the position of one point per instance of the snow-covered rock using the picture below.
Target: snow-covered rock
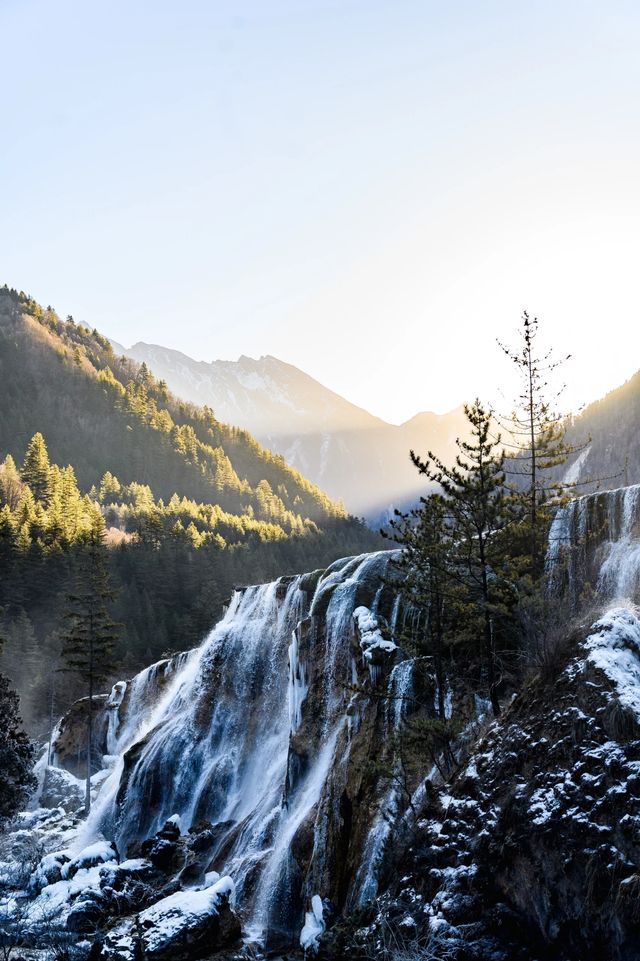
(100, 852)
(180, 927)
(614, 647)
(50, 870)
(61, 789)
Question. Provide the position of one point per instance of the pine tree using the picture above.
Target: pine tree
(90, 635)
(478, 512)
(16, 754)
(425, 581)
(35, 470)
(538, 440)
(70, 505)
(10, 482)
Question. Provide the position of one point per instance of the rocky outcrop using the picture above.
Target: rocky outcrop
(533, 849)
(70, 737)
(184, 926)
(128, 703)
(60, 789)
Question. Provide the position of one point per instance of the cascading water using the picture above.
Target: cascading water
(259, 733)
(595, 541)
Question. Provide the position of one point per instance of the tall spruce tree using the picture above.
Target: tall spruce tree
(35, 469)
(87, 643)
(478, 515)
(16, 753)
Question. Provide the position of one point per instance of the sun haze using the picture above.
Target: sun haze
(370, 191)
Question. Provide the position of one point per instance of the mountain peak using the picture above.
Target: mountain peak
(353, 455)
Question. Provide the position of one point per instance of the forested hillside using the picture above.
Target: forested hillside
(190, 507)
(347, 451)
(606, 435)
(99, 413)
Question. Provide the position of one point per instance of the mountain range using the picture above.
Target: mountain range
(348, 452)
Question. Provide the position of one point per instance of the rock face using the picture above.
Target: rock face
(128, 701)
(61, 789)
(70, 739)
(533, 850)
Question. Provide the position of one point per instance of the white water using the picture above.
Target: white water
(217, 743)
(139, 723)
(596, 539)
(400, 689)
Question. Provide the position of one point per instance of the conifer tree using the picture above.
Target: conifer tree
(35, 470)
(16, 754)
(90, 634)
(425, 583)
(10, 483)
(538, 443)
(478, 511)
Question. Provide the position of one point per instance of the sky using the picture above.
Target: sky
(372, 191)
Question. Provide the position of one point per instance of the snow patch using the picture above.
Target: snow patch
(572, 473)
(372, 640)
(614, 647)
(181, 911)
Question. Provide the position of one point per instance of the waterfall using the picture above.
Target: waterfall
(595, 541)
(399, 688)
(254, 732)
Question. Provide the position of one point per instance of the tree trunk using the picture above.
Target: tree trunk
(87, 797)
(440, 679)
(51, 700)
(488, 633)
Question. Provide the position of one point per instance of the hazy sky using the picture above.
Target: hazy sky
(372, 191)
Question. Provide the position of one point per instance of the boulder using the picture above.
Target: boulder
(185, 926)
(70, 738)
(50, 870)
(60, 789)
(87, 913)
(166, 850)
(100, 852)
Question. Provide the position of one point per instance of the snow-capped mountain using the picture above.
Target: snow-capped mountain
(347, 451)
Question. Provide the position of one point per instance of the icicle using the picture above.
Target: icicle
(298, 685)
